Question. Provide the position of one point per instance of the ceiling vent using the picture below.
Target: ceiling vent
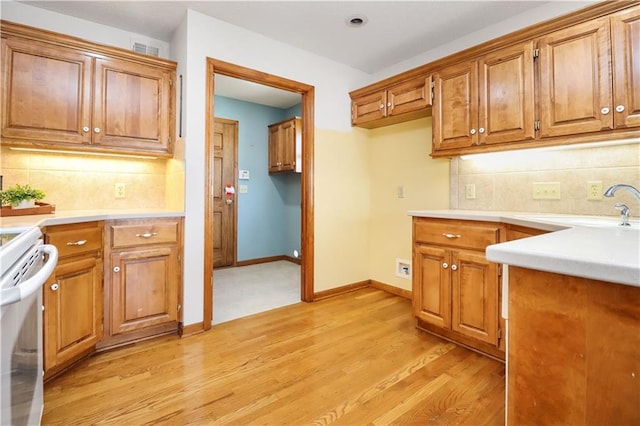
(145, 49)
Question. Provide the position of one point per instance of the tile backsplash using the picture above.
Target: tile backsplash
(81, 182)
(504, 181)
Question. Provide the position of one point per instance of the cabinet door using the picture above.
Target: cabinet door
(144, 288)
(73, 300)
(575, 80)
(507, 103)
(474, 306)
(455, 107)
(46, 96)
(369, 108)
(625, 32)
(288, 146)
(132, 106)
(409, 96)
(275, 143)
(431, 286)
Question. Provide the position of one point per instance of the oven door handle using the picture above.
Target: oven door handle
(33, 284)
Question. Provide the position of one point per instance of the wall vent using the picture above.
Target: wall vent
(145, 48)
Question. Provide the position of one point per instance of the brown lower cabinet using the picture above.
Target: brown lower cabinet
(116, 282)
(142, 277)
(456, 291)
(73, 296)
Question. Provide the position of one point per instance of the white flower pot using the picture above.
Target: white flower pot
(26, 204)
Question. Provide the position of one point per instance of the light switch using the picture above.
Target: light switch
(243, 174)
(243, 189)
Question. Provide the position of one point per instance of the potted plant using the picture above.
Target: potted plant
(21, 196)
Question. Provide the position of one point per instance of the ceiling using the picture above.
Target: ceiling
(393, 31)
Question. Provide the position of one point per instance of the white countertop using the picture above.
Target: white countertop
(606, 253)
(63, 217)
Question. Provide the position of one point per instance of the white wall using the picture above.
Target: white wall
(41, 18)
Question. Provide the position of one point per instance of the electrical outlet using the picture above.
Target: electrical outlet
(594, 190)
(546, 190)
(403, 268)
(119, 190)
(470, 191)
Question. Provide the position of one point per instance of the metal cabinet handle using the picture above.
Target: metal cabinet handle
(389, 104)
(604, 111)
(55, 286)
(77, 243)
(481, 130)
(116, 269)
(472, 131)
(445, 265)
(85, 129)
(381, 106)
(96, 129)
(451, 236)
(620, 108)
(454, 267)
(146, 235)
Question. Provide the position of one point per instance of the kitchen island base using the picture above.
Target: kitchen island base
(573, 350)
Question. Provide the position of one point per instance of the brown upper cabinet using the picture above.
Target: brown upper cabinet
(485, 101)
(59, 92)
(399, 102)
(572, 79)
(285, 146)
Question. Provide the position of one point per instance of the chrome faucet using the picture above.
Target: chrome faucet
(612, 190)
(624, 210)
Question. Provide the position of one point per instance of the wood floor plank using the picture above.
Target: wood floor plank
(356, 358)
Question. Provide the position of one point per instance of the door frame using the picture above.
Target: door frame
(215, 66)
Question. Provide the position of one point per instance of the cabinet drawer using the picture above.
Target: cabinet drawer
(455, 234)
(75, 239)
(147, 233)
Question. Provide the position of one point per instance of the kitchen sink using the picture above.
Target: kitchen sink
(599, 221)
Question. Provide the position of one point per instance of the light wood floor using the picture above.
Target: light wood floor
(353, 359)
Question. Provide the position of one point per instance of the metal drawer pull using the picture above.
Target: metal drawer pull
(451, 236)
(454, 267)
(116, 269)
(78, 243)
(55, 286)
(146, 235)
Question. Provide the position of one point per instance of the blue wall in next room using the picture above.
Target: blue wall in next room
(269, 215)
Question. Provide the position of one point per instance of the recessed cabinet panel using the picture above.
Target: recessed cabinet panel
(575, 80)
(455, 113)
(129, 105)
(432, 299)
(625, 32)
(47, 94)
(507, 102)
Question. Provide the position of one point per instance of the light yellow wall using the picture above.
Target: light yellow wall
(341, 201)
(174, 197)
(81, 182)
(504, 181)
(400, 157)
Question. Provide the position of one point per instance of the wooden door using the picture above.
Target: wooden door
(455, 106)
(131, 107)
(46, 94)
(409, 96)
(431, 286)
(474, 299)
(73, 300)
(369, 108)
(506, 89)
(625, 33)
(225, 148)
(575, 80)
(144, 288)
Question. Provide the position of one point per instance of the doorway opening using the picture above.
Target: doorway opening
(216, 67)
